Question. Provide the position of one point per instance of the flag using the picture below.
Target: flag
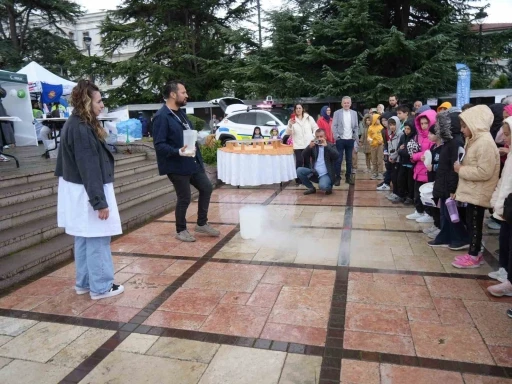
(463, 84)
(50, 93)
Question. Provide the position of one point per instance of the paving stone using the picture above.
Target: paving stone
(10, 326)
(184, 349)
(137, 343)
(29, 372)
(299, 369)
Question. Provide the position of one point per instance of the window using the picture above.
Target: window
(234, 118)
(263, 118)
(71, 36)
(109, 80)
(85, 34)
(247, 118)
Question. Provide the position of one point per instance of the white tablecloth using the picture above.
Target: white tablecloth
(252, 170)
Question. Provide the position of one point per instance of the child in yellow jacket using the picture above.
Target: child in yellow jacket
(376, 147)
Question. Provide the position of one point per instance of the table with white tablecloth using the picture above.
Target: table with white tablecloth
(242, 168)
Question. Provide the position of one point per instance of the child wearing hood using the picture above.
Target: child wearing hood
(478, 177)
(377, 146)
(423, 122)
(502, 191)
(435, 150)
(405, 173)
(325, 123)
(394, 136)
(364, 145)
(386, 177)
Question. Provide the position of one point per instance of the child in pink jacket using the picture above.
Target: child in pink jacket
(422, 122)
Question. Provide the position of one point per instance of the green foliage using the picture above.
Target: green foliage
(198, 123)
(209, 153)
(29, 32)
(502, 82)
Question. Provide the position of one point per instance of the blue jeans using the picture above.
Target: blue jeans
(324, 182)
(93, 264)
(344, 146)
(454, 234)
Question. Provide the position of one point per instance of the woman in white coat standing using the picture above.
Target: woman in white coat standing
(302, 129)
(86, 205)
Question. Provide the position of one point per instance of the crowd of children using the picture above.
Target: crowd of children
(456, 152)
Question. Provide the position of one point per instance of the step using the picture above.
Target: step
(25, 192)
(28, 262)
(46, 173)
(25, 211)
(43, 228)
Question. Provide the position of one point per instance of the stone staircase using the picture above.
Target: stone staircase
(30, 240)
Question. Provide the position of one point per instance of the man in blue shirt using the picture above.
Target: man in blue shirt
(184, 168)
(319, 159)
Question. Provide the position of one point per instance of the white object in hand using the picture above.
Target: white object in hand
(189, 139)
(462, 152)
(428, 158)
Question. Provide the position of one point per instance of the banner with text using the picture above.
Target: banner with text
(463, 84)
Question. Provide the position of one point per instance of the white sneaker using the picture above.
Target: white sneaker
(373, 177)
(391, 196)
(383, 187)
(433, 234)
(493, 225)
(113, 291)
(500, 275)
(414, 216)
(380, 176)
(425, 219)
(432, 228)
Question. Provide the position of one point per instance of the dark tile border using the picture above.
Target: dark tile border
(135, 323)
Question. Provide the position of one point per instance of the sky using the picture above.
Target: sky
(500, 11)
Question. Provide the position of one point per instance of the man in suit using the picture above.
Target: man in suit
(345, 128)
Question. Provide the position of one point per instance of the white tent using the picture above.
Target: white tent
(37, 74)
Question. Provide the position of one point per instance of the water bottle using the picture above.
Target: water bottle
(451, 205)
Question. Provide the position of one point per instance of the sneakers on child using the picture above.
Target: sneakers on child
(459, 247)
(383, 187)
(433, 234)
(207, 229)
(391, 196)
(432, 228)
(499, 290)
(509, 313)
(113, 291)
(500, 275)
(394, 198)
(81, 291)
(494, 225)
(408, 201)
(374, 176)
(468, 262)
(414, 216)
(433, 244)
(425, 218)
(380, 176)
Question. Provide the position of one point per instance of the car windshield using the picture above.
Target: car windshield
(282, 116)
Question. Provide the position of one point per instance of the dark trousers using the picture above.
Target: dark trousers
(505, 245)
(387, 174)
(417, 198)
(299, 161)
(475, 222)
(454, 234)
(395, 169)
(344, 147)
(182, 187)
(406, 182)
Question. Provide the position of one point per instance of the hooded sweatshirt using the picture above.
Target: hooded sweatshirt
(446, 105)
(405, 158)
(325, 123)
(479, 173)
(422, 109)
(420, 171)
(504, 187)
(394, 140)
(375, 132)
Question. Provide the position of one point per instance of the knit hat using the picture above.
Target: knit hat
(432, 130)
(443, 125)
(422, 109)
(446, 105)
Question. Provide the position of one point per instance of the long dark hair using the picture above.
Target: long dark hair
(254, 132)
(81, 100)
(295, 109)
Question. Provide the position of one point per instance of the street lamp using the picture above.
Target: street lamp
(479, 17)
(87, 42)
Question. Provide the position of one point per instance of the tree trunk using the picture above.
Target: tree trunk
(11, 14)
(404, 16)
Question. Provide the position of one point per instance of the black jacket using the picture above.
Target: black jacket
(168, 140)
(405, 159)
(436, 154)
(446, 178)
(310, 156)
(85, 159)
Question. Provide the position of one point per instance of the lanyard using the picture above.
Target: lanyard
(185, 125)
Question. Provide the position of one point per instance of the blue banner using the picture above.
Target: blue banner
(50, 93)
(463, 84)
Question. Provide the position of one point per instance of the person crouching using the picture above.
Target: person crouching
(319, 160)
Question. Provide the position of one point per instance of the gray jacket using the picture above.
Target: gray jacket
(85, 159)
(338, 128)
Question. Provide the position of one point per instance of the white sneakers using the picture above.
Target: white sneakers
(432, 228)
(500, 275)
(414, 216)
(425, 218)
(433, 234)
(113, 291)
(383, 187)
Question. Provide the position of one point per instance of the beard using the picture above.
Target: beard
(181, 103)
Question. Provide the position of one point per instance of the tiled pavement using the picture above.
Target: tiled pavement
(339, 288)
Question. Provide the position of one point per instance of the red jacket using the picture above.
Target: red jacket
(327, 127)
